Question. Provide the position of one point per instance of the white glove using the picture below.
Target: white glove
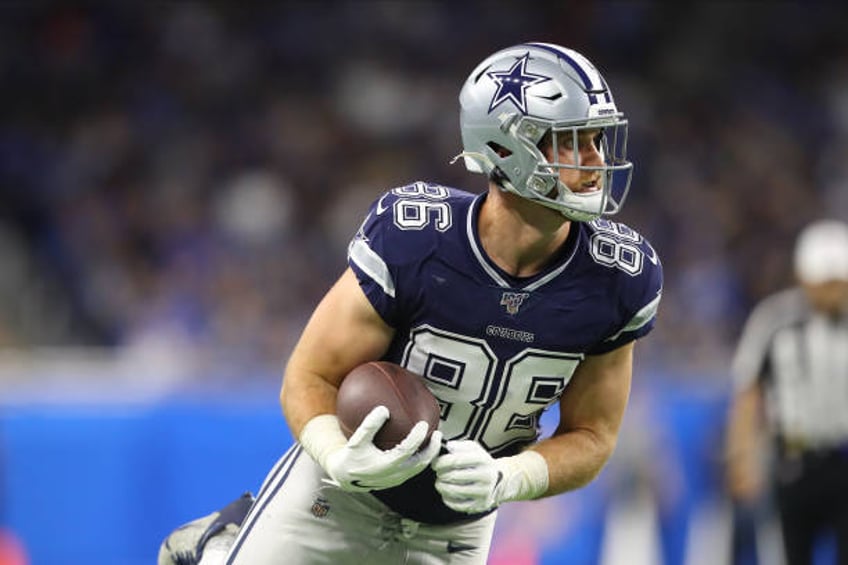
(357, 464)
(471, 481)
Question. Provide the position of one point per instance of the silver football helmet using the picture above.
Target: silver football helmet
(520, 95)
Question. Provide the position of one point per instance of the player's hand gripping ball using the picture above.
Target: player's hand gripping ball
(401, 391)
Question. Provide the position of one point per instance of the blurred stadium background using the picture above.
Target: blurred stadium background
(179, 180)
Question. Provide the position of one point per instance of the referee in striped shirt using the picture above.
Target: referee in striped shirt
(791, 380)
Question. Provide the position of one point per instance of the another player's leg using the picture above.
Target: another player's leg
(213, 533)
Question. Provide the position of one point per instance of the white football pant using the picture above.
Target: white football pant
(299, 519)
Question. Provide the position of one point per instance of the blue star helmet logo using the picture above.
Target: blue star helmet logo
(513, 84)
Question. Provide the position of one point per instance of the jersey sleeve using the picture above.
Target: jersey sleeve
(383, 257)
(640, 296)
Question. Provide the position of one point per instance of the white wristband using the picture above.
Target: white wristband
(526, 477)
(321, 436)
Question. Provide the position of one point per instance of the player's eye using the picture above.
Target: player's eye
(566, 140)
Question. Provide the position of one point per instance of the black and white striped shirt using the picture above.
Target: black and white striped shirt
(801, 357)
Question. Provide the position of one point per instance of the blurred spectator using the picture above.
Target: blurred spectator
(170, 172)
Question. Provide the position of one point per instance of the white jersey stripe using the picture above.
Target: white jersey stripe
(642, 317)
(552, 275)
(495, 276)
(478, 254)
(371, 264)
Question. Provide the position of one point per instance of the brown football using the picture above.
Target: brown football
(402, 392)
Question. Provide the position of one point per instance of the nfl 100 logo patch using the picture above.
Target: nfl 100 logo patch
(320, 508)
(513, 301)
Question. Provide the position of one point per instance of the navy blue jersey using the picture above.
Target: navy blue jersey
(494, 349)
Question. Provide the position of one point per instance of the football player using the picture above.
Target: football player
(506, 303)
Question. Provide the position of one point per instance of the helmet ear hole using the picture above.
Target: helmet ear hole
(499, 149)
(497, 175)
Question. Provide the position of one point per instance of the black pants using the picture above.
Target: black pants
(813, 503)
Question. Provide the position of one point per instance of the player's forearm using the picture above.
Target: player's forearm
(574, 458)
(343, 332)
(591, 411)
(303, 396)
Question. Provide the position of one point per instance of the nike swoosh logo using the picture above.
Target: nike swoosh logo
(359, 484)
(456, 547)
(380, 207)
